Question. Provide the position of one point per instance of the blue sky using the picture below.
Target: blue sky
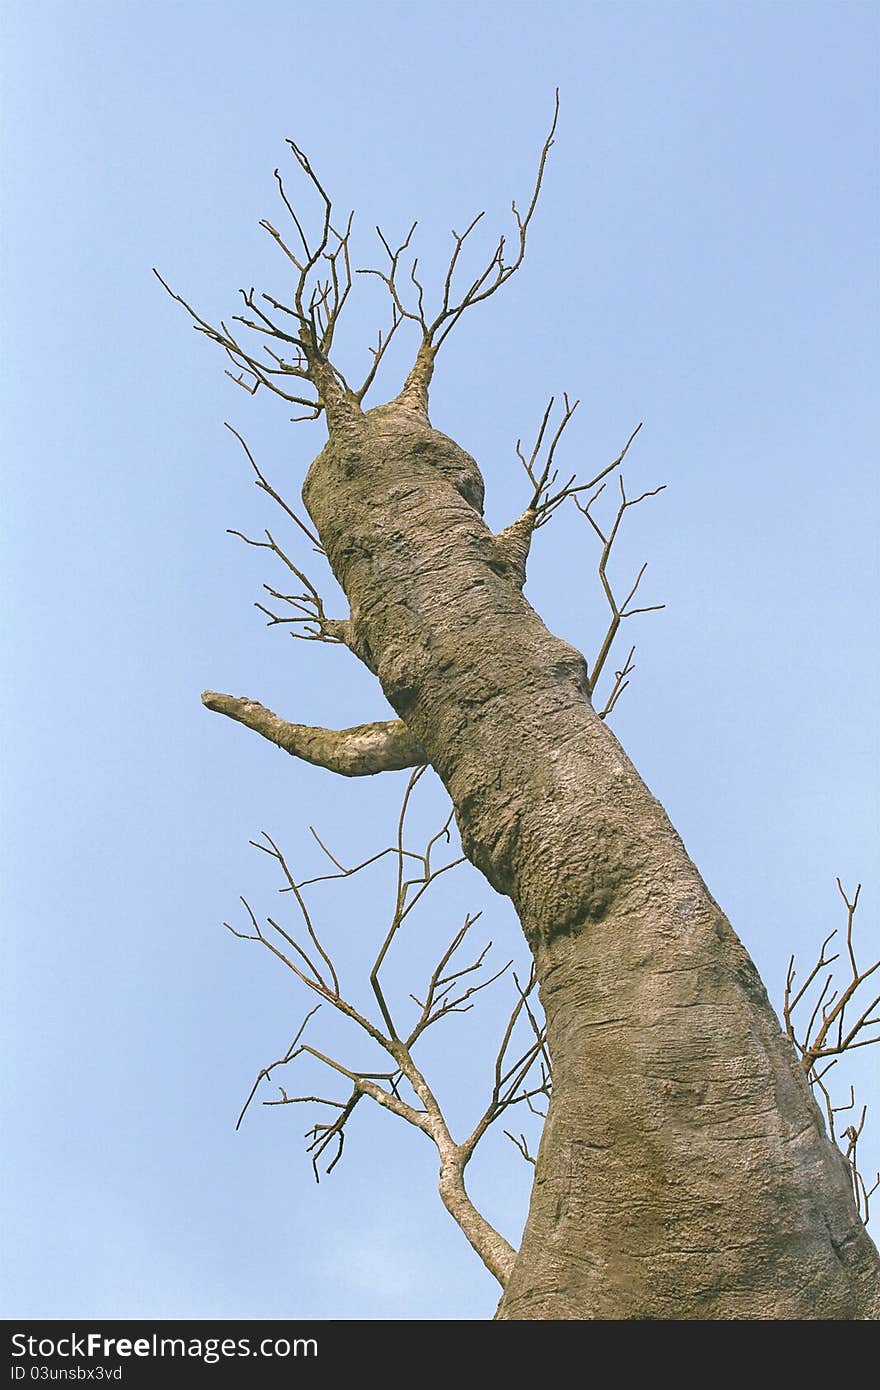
(704, 259)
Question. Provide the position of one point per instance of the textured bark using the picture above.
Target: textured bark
(386, 746)
(496, 1253)
(684, 1171)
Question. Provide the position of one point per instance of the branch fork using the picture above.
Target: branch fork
(521, 1073)
(827, 1034)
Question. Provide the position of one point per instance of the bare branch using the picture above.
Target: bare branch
(834, 1036)
(252, 372)
(276, 497)
(378, 352)
(401, 280)
(401, 906)
(521, 1145)
(542, 476)
(514, 542)
(510, 1086)
(545, 501)
(619, 611)
(441, 998)
(308, 605)
(620, 684)
(321, 287)
(496, 272)
(451, 988)
(272, 849)
(385, 746)
(389, 277)
(291, 1052)
(847, 1142)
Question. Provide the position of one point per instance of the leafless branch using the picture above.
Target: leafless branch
(451, 988)
(441, 998)
(861, 1191)
(361, 751)
(294, 339)
(834, 1033)
(285, 344)
(543, 476)
(620, 683)
(619, 610)
(829, 1034)
(497, 270)
(289, 1055)
(521, 1144)
(272, 849)
(301, 612)
(250, 371)
(383, 341)
(511, 1084)
(307, 606)
(408, 891)
(266, 487)
(390, 277)
(399, 274)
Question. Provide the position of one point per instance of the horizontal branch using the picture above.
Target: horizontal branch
(386, 746)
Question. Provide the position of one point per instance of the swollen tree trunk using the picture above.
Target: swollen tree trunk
(684, 1171)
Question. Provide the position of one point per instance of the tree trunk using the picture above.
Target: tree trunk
(684, 1171)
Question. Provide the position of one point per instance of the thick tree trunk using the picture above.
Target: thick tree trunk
(684, 1171)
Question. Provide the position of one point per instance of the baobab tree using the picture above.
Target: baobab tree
(684, 1169)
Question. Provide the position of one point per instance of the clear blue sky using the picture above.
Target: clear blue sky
(704, 259)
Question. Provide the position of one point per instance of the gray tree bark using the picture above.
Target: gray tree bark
(684, 1171)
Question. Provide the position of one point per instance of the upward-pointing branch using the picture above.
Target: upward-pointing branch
(408, 299)
(386, 746)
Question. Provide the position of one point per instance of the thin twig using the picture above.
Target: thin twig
(821, 1049)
